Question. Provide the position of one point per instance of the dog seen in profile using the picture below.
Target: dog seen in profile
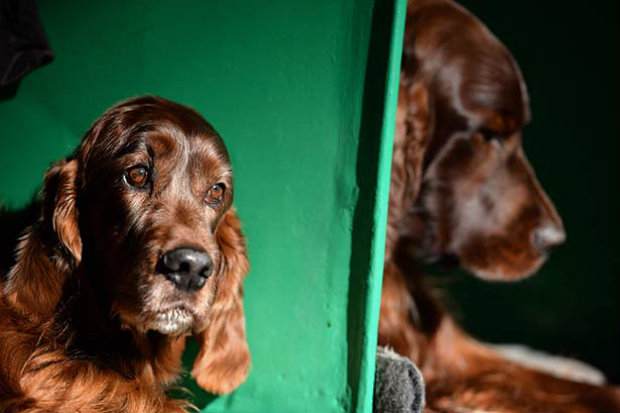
(462, 191)
(137, 245)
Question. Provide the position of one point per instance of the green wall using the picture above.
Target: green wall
(569, 55)
(303, 94)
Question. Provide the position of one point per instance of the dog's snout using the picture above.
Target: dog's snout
(548, 237)
(187, 268)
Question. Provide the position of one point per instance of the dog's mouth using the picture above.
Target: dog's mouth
(172, 321)
(446, 261)
(502, 263)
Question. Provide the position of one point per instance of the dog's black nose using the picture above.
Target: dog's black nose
(187, 268)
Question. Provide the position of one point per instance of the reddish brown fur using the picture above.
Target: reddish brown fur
(79, 304)
(461, 188)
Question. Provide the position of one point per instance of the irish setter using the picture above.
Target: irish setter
(462, 191)
(137, 246)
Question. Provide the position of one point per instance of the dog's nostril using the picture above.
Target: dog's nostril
(187, 268)
(199, 282)
(184, 267)
(170, 262)
(549, 237)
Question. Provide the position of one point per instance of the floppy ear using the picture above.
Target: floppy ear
(59, 197)
(417, 133)
(412, 133)
(48, 250)
(223, 362)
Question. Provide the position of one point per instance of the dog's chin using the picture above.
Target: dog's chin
(487, 264)
(172, 322)
(503, 271)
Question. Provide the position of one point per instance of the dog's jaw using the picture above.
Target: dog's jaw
(175, 321)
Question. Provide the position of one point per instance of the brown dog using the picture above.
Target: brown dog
(137, 246)
(463, 191)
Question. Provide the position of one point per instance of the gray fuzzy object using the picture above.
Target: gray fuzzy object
(399, 386)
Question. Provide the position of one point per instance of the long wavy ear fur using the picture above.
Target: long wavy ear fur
(223, 362)
(414, 124)
(48, 250)
(59, 198)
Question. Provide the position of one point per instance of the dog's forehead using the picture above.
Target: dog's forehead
(195, 154)
(467, 65)
(167, 141)
(153, 124)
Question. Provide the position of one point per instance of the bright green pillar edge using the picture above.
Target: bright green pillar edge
(364, 397)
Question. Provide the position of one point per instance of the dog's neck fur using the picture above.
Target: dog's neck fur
(97, 333)
(407, 297)
(34, 284)
(64, 323)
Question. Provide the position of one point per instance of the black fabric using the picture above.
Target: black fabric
(399, 387)
(23, 45)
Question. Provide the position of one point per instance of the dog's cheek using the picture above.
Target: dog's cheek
(498, 258)
(203, 304)
(130, 273)
(507, 235)
(442, 222)
(152, 292)
(486, 258)
(478, 200)
(452, 184)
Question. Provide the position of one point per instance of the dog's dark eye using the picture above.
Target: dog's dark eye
(137, 176)
(490, 135)
(215, 194)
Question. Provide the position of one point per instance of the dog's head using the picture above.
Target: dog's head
(143, 206)
(464, 103)
(139, 225)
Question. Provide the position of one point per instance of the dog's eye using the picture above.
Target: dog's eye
(492, 136)
(137, 176)
(215, 194)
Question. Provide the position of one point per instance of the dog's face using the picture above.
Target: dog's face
(137, 229)
(479, 201)
(155, 184)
